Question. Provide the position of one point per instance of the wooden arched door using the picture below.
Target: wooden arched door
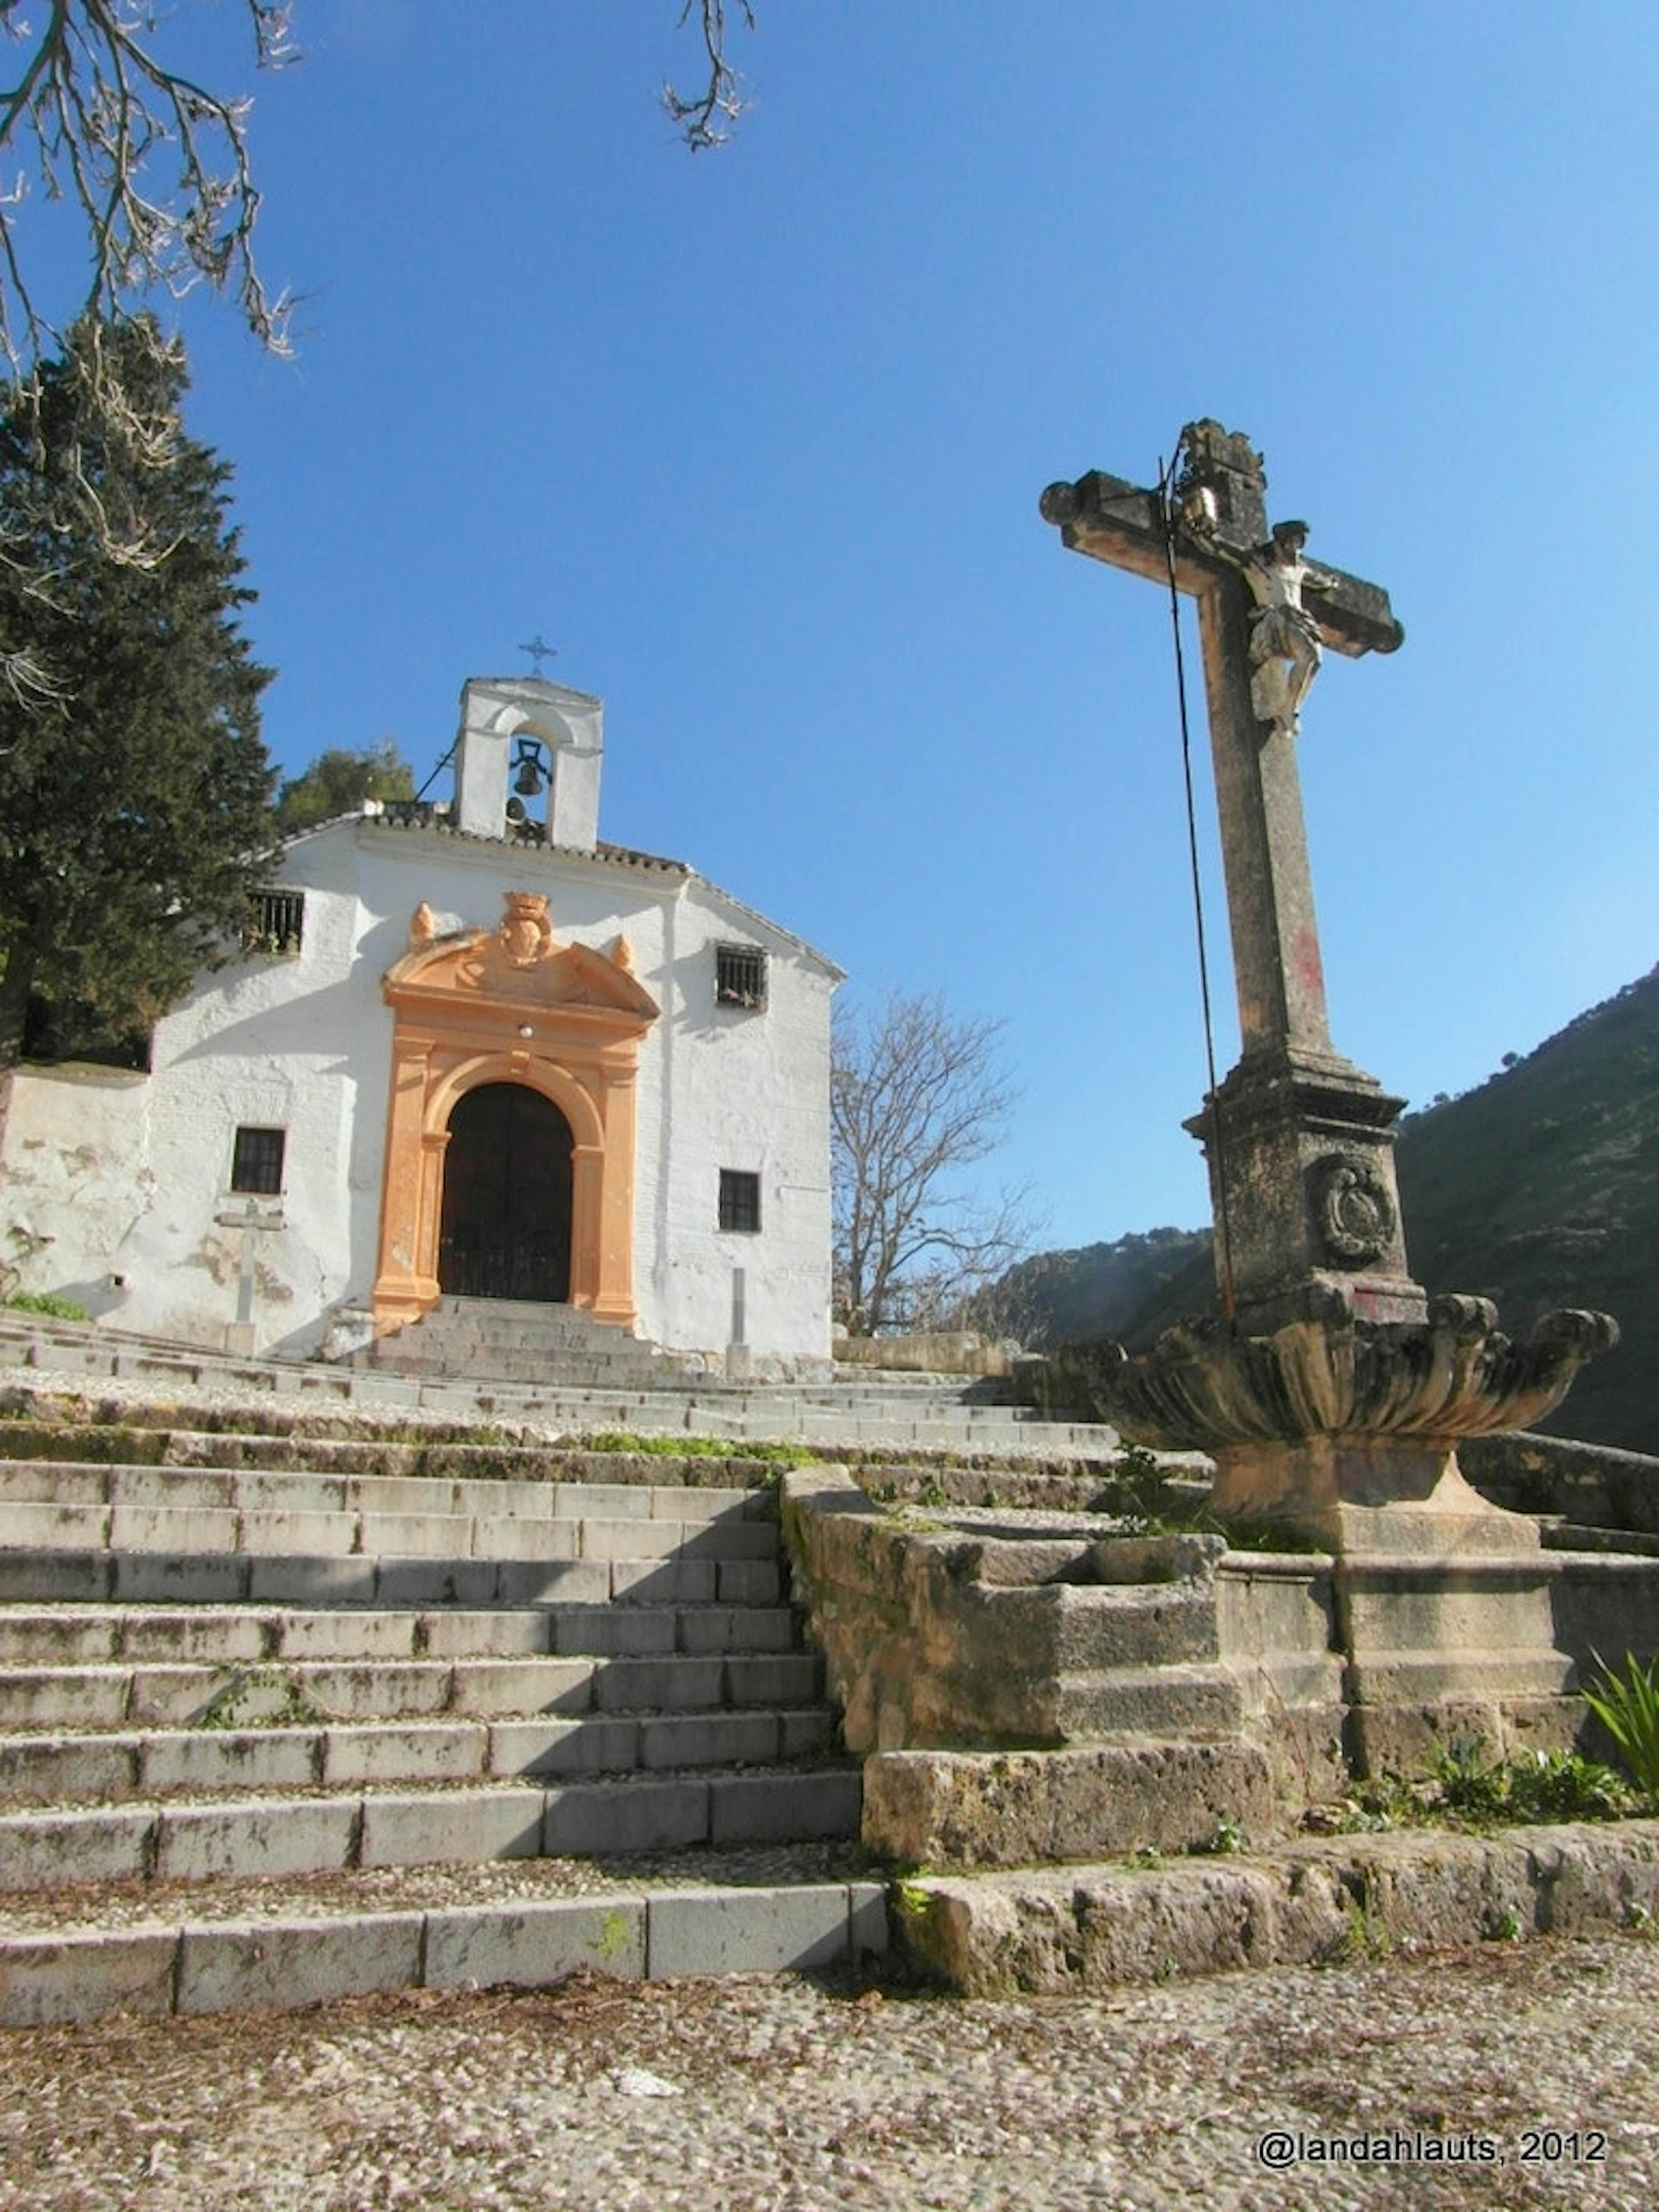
(504, 1231)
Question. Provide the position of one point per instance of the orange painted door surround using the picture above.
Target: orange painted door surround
(511, 1007)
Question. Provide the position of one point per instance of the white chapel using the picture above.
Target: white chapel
(472, 1050)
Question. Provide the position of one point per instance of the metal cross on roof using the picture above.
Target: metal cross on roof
(539, 650)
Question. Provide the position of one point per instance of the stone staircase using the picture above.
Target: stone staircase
(515, 1340)
(231, 1670)
(860, 1410)
(1028, 1687)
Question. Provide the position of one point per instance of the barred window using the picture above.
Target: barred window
(739, 1199)
(740, 976)
(277, 923)
(255, 1164)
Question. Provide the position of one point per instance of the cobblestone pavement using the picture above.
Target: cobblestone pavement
(792, 2095)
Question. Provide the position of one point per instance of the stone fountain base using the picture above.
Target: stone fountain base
(1341, 1432)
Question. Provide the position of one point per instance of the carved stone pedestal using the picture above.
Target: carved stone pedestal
(1342, 1433)
(1367, 1497)
(1300, 1144)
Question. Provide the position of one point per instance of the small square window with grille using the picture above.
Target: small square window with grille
(257, 1163)
(278, 921)
(740, 976)
(739, 1199)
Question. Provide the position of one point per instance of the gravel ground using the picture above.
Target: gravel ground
(789, 2095)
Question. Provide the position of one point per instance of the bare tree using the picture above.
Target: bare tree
(917, 1095)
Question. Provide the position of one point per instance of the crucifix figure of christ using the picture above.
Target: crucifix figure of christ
(1299, 1140)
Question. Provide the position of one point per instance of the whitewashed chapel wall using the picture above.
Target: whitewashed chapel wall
(118, 1182)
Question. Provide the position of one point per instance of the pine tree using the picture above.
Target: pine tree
(135, 790)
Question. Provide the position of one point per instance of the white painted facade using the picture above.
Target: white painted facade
(116, 1186)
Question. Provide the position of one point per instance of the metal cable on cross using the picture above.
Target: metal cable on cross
(1166, 514)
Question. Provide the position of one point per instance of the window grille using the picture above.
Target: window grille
(257, 1163)
(278, 921)
(740, 976)
(739, 1199)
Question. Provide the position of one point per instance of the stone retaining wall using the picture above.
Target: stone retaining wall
(1318, 1902)
(1595, 1486)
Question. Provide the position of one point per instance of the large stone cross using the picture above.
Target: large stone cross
(1299, 1140)
(1263, 614)
(1329, 1392)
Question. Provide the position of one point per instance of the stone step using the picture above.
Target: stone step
(206, 1530)
(325, 1831)
(91, 1636)
(1177, 1700)
(1129, 1792)
(59, 1573)
(672, 1404)
(1157, 1624)
(322, 1691)
(515, 1470)
(111, 1767)
(506, 1338)
(551, 1357)
(502, 1318)
(136, 1483)
(508, 1333)
(279, 1951)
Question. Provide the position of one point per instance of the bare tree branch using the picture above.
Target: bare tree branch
(916, 1095)
(155, 165)
(721, 99)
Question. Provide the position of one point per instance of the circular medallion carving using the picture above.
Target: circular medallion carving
(1354, 1209)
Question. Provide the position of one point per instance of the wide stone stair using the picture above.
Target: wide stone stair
(234, 1675)
(858, 1410)
(518, 1340)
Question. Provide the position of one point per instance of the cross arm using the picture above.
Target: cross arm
(1119, 523)
(1352, 616)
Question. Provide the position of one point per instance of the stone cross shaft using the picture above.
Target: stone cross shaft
(1225, 558)
(1299, 1140)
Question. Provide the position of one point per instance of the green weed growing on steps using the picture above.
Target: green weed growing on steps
(1364, 1935)
(615, 1936)
(909, 1899)
(45, 1301)
(655, 1447)
(1223, 1841)
(228, 1708)
(1627, 1706)
(1464, 1788)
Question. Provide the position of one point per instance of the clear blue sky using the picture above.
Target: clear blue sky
(757, 440)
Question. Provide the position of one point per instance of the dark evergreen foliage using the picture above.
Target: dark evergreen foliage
(135, 790)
